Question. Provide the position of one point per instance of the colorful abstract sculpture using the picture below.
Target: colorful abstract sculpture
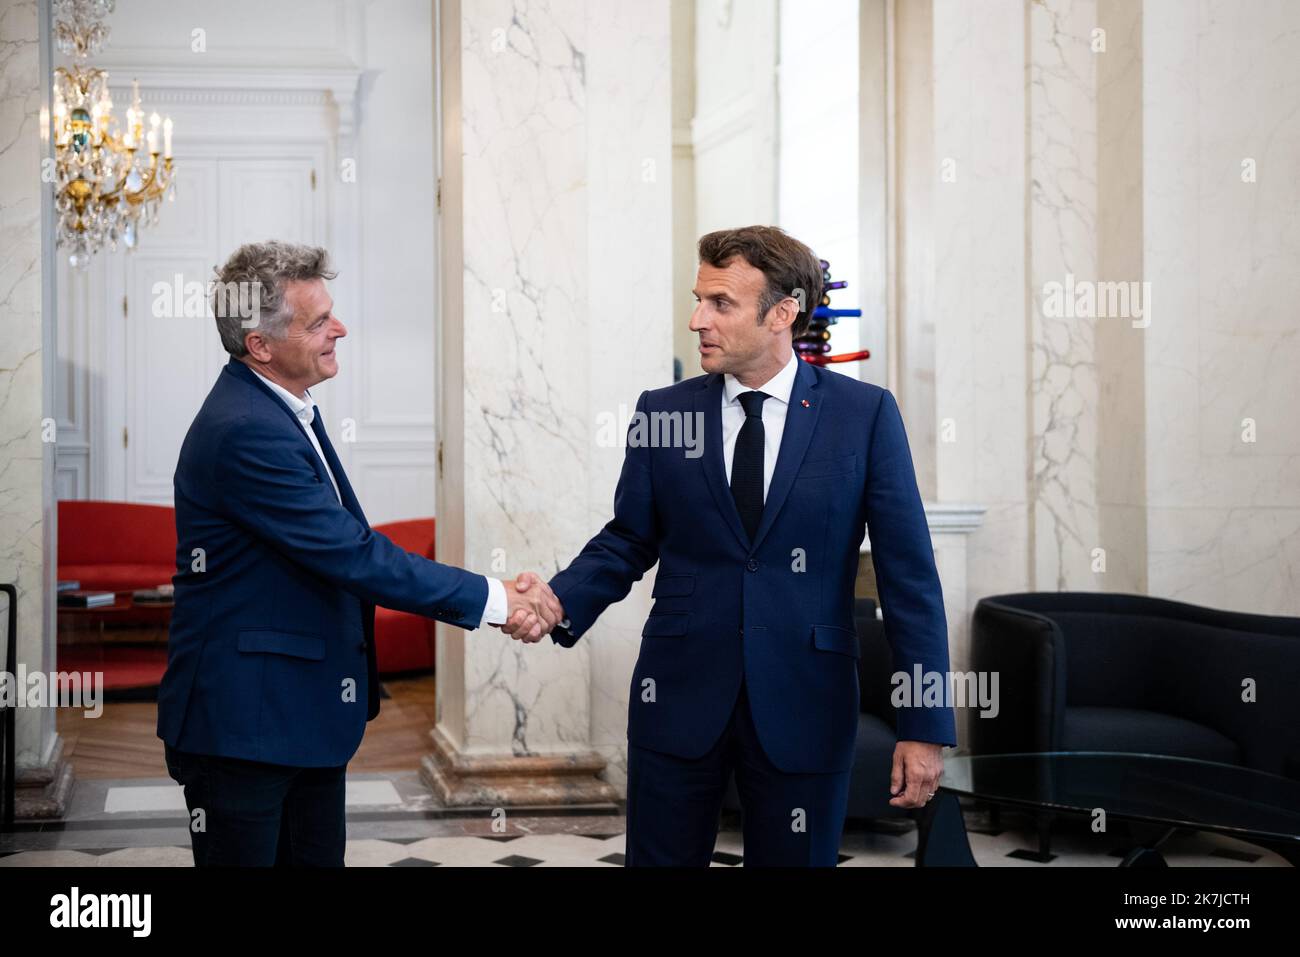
(815, 344)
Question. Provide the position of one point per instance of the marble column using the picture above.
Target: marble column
(1085, 223)
(27, 531)
(1221, 199)
(1062, 228)
(556, 259)
(1121, 346)
(972, 236)
(1037, 173)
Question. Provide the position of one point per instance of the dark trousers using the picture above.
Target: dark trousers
(790, 820)
(250, 814)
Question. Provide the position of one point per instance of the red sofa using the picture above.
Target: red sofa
(116, 546)
(405, 642)
(122, 546)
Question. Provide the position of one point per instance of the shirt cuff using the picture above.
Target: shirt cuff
(497, 607)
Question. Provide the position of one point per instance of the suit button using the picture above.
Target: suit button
(752, 565)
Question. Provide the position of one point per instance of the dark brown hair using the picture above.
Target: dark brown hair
(791, 267)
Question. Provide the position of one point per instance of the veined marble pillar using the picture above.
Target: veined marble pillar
(1037, 185)
(27, 531)
(556, 313)
(1221, 135)
(977, 164)
(1062, 228)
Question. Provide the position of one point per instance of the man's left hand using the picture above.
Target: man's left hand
(915, 776)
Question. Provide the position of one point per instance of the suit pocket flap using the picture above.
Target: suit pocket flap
(673, 586)
(843, 641)
(821, 468)
(283, 643)
(665, 625)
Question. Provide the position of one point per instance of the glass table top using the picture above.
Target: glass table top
(1149, 787)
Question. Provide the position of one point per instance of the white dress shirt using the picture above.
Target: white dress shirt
(305, 411)
(494, 612)
(778, 389)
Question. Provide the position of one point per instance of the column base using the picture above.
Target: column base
(42, 793)
(490, 781)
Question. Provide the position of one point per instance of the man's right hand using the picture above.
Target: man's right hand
(532, 608)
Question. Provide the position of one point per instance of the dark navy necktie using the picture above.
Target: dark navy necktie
(332, 462)
(747, 463)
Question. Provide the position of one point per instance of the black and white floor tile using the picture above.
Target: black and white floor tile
(393, 821)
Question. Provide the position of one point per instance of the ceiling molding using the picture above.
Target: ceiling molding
(241, 87)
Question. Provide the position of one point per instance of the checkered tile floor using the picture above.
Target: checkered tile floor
(1010, 848)
(393, 822)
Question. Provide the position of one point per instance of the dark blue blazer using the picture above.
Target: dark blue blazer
(276, 587)
(777, 611)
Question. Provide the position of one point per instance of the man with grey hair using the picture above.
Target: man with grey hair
(271, 673)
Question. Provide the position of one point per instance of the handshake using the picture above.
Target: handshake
(533, 610)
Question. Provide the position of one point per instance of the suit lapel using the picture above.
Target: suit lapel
(800, 421)
(708, 401)
(350, 502)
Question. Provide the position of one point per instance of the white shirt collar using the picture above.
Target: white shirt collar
(778, 387)
(304, 410)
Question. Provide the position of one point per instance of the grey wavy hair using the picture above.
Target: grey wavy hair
(248, 292)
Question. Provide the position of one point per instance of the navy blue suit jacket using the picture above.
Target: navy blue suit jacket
(276, 587)
(778, 611)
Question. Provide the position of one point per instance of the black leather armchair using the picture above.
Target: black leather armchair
(1091, 671)
(1088, 671)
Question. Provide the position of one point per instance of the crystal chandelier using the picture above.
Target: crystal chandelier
(108, 181)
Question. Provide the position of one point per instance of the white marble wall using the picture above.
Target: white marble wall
(1084, 223)
(25, 461)
(1062, 224)
(682, 29)
(630, 316)
(564, 120)
(1220, 91)
(980, 308)
(735, 129)
(899, 264)
(1114, 163)
(1121, 346)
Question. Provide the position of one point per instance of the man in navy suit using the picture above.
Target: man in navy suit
(748, 657)
(271, 674)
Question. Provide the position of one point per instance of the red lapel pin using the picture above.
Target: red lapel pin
(807, 404)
